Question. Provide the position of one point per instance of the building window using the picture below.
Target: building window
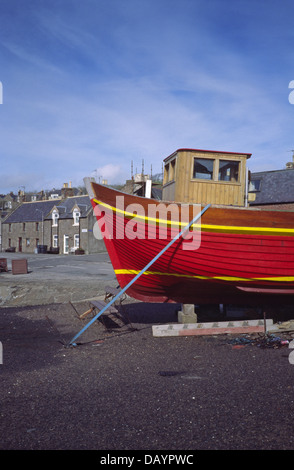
(228, 171)
(55, 241)
(76, 241)
(24, 227)
(254, 185)
(9, 228)
(76, 217)
(9, 242)
(55, 217)
(203, 168)
(28, 242)
(37, 226)
(37, 242)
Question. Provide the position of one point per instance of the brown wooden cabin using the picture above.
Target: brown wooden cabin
(205, 176)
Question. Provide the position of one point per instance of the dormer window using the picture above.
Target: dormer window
(55, 216)
(254, 185)
(76, 216)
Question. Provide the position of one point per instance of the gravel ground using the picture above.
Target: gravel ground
(123, 389)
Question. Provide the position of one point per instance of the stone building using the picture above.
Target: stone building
(23, 230)
(70, 225)
(62, 226)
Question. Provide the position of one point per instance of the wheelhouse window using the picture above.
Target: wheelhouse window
(172, 168)
(229, 171)
(203, 168)
(170, 171)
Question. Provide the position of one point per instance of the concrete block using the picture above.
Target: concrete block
(187, 314)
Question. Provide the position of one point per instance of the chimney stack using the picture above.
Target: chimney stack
(290, 165)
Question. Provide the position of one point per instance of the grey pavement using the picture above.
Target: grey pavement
(55, 278)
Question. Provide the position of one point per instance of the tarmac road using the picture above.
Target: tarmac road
(47, 266)
(55, 278)
(126, 390)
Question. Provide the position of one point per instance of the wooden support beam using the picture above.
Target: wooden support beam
(86, 313)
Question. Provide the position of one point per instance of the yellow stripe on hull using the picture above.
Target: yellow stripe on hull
(212, 278)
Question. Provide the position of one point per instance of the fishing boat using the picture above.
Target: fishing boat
(232, 255)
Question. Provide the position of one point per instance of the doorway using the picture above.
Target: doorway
(65, 244)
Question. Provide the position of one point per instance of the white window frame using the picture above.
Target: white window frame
(55, 217)
(76, 216)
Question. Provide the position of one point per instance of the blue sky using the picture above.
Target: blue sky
(89, 87)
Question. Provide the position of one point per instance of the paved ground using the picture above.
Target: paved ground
(61, 265)
(122, 389)
(55, 278)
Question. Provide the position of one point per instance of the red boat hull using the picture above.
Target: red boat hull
(243, 256)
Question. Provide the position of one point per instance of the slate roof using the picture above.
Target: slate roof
(276, 187)
(66, 206)
(156, 193)
(31, 211)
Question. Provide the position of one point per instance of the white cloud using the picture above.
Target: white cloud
(112, 173)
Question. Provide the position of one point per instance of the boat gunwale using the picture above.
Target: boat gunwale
(235, 229)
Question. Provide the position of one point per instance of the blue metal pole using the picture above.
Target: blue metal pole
(72, 342)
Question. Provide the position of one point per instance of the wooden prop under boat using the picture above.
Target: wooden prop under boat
(234, 256)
